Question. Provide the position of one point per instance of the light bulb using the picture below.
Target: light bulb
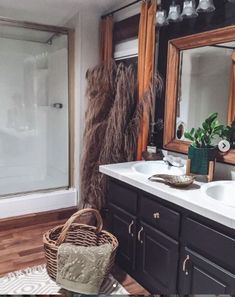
(161, 18)
(206, 6)
(174, 13)
(189, 9)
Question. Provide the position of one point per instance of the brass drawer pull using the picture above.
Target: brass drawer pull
(156, 215)
(130, 227)
(139, 233)
(184, 265)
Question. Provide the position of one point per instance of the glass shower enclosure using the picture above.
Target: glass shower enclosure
(35, 108)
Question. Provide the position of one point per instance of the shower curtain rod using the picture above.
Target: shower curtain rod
(119, 9)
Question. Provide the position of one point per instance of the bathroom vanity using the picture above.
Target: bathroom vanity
(181, 240)
(171, 240)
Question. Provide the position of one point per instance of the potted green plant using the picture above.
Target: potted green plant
(202, 149)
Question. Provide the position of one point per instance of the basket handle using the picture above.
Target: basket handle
(75, 216)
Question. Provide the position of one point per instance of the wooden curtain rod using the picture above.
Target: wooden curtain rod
(119, 9)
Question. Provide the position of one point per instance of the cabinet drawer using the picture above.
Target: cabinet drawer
(122, 196)
(159, 216)
(209, 242)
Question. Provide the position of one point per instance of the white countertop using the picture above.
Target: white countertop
(191, 198)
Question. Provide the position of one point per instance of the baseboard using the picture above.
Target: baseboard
(36, 218)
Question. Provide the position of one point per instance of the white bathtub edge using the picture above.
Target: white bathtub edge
(38, 202)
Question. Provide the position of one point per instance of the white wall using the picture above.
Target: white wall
(86, 24)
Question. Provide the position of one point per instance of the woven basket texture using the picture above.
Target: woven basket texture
(77, 234)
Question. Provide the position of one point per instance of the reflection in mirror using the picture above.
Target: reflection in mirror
(203, 85)
(180, 130)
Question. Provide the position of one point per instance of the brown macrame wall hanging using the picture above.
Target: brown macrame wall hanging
(112, 122)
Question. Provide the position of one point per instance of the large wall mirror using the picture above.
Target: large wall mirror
(200, 74)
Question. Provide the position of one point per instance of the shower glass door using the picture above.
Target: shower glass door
(34, 129)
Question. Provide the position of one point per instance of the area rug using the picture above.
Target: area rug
(35, 280)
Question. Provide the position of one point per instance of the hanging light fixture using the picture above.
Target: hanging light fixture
(206, 6)
(174, 13)
(189, 9)
(161, 15)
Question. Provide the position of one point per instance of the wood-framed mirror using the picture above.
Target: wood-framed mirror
(200, 80)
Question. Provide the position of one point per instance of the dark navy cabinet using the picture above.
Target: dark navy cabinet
(123, 225)
(201, 276)
(157, 260)
(168, 249)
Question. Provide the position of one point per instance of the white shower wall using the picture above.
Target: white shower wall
(57, 125)
(33, 134)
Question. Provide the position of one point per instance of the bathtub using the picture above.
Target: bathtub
(37, 202)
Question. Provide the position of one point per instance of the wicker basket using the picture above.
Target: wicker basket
(78, 234)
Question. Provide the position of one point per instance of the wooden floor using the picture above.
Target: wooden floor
(21, 247)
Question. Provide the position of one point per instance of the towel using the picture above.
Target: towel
(82, 269)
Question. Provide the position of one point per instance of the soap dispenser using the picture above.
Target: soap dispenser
(152, 152)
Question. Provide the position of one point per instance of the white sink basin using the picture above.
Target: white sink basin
(150, 168)
(222, 191)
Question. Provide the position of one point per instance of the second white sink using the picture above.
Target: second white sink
(150, 168)
(223, 191)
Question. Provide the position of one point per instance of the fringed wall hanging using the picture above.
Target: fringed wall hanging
(112, 122)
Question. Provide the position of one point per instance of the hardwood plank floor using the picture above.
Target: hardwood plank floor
(21, 247)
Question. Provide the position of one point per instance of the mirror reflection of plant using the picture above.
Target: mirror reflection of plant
(203, 137)
(232, 138)
(229, 133)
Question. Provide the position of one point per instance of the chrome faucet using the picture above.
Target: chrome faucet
(173, 161)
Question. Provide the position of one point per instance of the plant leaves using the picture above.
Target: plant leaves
(188, 136)
(205, 125)
(211, 118)
(211, 128)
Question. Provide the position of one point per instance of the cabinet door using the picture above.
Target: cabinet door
(198, 275)
(123, 226)
(123, 196)
(157, 259)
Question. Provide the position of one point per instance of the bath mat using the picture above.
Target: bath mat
(35, 280)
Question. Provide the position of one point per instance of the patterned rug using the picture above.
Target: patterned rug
(35, 280)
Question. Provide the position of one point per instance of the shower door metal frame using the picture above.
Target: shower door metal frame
(71, 89)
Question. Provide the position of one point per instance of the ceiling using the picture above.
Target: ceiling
(53, 12)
